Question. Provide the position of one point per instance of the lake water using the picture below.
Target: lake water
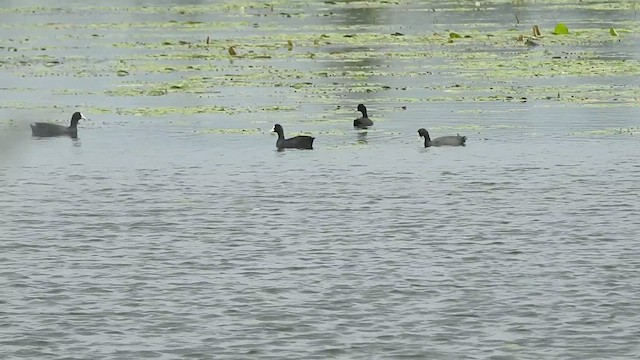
(172, 228)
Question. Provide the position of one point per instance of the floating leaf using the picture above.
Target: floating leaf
(301, 85)
(561, 29)
(453, 35)
(157, 92)
(289, 45)
(232, 51)
(122, 73)
(613, 32)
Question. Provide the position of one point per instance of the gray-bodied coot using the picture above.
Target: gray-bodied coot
(48, 130)
(442, 141)
(296, 142)
(362, 122)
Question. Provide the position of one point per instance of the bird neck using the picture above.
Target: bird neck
(427, 141)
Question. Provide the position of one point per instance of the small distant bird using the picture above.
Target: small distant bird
(48, 130)
(442, 141)
(296, 142)
(362, 122)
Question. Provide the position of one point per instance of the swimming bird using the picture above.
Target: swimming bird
(48, 130)
(442, 141)
(363, 121)
(296, 142)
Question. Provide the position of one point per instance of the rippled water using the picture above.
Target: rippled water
(155, 237)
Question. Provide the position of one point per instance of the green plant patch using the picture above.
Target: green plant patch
(251, 131)
(283, 50)
(625, 131)
(167, 110)
(561, 29)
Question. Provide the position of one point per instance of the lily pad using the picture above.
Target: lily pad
(561, 29)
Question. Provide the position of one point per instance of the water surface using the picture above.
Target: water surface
(172, 228)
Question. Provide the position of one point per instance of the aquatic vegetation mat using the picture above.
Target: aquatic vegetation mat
(223, 54)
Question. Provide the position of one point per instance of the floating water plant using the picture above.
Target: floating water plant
(231, 131)
(561, 29)
(146, 58)
(630, 131)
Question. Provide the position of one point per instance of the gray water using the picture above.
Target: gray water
(160, 236)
